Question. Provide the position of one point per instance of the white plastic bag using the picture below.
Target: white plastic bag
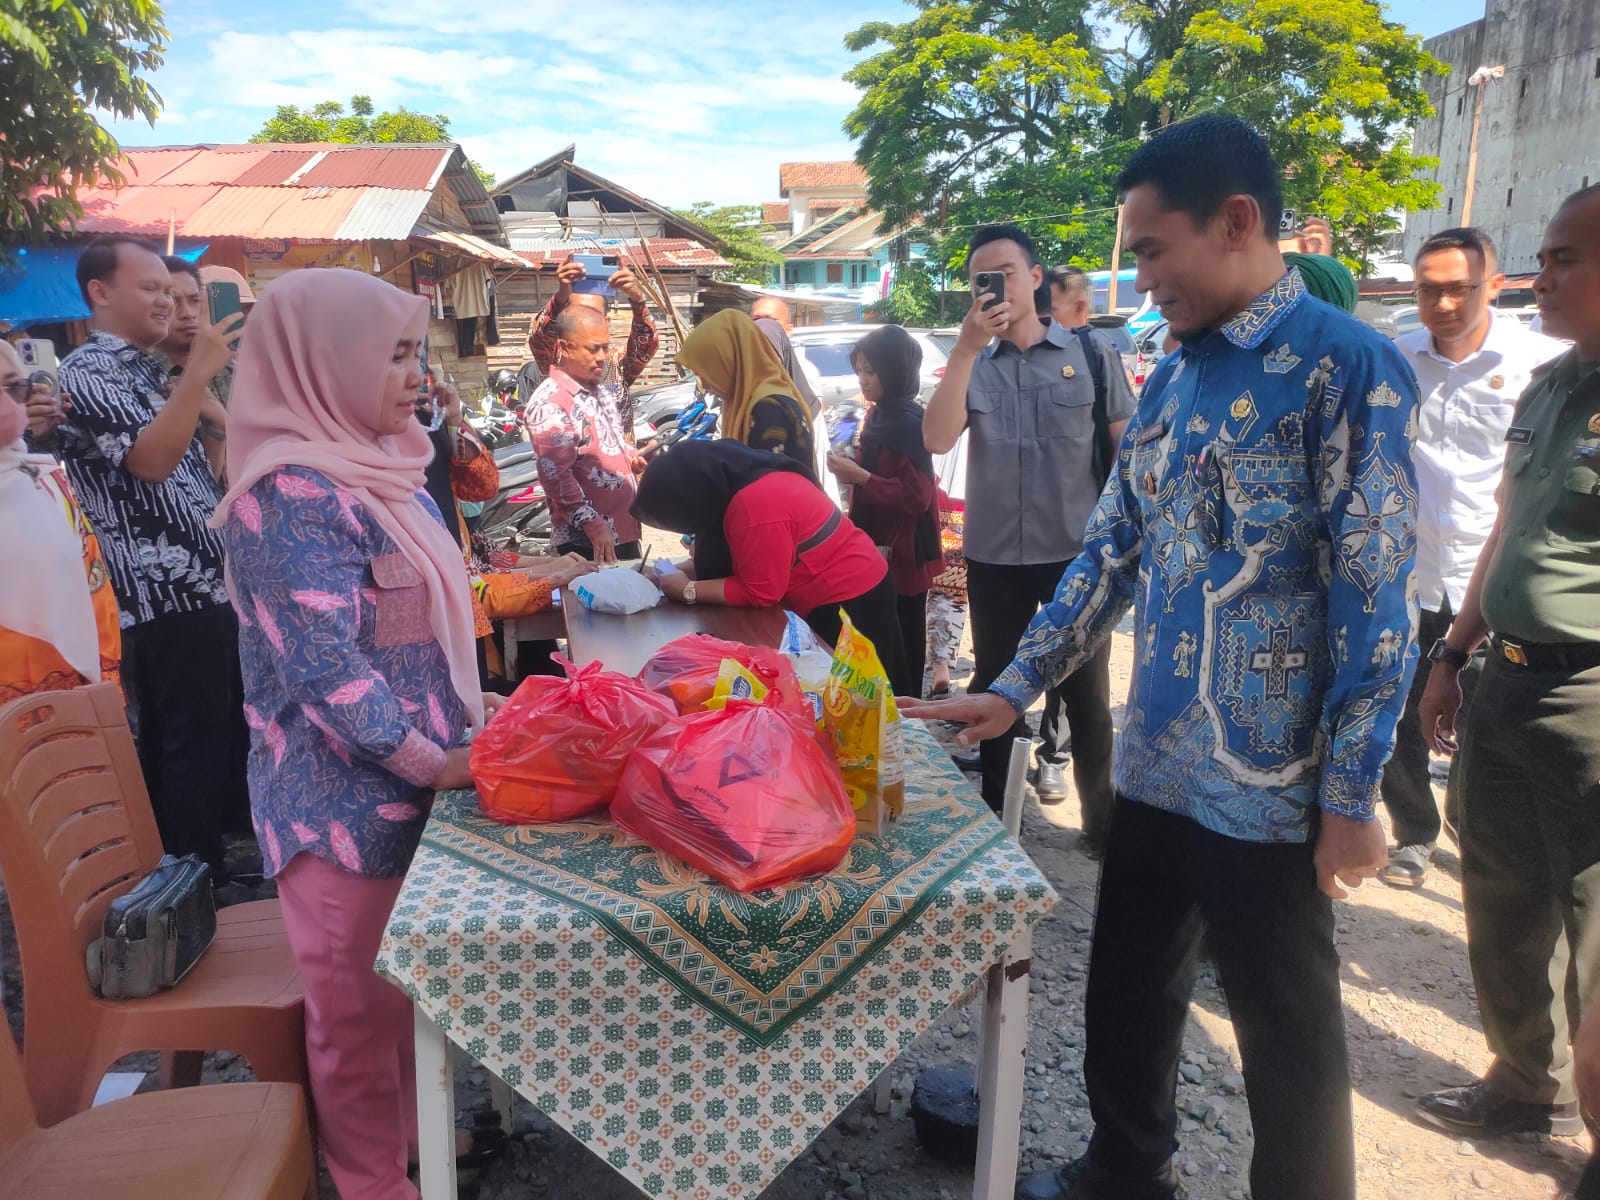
(619, 590)
(812, 663)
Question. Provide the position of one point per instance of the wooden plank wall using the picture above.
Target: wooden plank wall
(523, 295)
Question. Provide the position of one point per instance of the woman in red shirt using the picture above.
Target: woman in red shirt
(765, 534)
(893, 495)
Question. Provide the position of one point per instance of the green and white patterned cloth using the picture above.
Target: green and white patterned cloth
(695, 1038)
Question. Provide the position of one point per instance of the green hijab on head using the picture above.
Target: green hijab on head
(1326, 278)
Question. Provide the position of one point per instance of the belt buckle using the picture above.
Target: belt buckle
(1513, 653)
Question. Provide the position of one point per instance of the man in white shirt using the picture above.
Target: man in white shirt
(1472, 362)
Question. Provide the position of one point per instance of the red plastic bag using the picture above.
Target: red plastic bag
(744, 793)
(556, 749)
(686, 669)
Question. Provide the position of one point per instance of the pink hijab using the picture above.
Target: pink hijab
(307, 390)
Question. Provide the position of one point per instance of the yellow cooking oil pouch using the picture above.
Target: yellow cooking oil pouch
(859, 712)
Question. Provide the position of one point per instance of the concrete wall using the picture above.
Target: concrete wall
(1539, 139)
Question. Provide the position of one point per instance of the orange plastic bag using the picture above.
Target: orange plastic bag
(556, 749)
(744, 793)
(686, 669)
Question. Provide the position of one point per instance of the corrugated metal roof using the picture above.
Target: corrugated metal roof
(276, 212)
(475, 246)
(387, 214)
(274, 167)
(409, 168)
(312, 192)
(667, 253)
(137, 209)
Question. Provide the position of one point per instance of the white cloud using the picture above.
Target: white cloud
(681, 100)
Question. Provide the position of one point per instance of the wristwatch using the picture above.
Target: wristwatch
(1455, 659)
(688, 592)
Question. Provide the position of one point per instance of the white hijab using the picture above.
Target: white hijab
(46, 594)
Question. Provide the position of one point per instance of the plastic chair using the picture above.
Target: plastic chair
(235, 1141)
(76, 831)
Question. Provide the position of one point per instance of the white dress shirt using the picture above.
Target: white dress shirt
(1461, 428)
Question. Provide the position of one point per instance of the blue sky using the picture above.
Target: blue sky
(680, 100)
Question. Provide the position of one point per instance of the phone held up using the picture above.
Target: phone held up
(222, 301)
(1286, 223)
(39, 357)
(597, 271)
(990, 284)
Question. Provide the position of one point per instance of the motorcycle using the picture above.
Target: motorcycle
(519, 512)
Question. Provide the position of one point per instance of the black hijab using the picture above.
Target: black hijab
(688, 488)
(436, 481)
(785, 348)
(895, 422)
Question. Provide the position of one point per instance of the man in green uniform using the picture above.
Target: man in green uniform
(1530, 777)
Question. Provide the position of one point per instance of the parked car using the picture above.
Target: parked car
(1115, 327)
(1148, 352)
(1406, 319)
(824, 354)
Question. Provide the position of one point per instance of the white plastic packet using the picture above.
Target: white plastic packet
(812, 662)
(619, 590)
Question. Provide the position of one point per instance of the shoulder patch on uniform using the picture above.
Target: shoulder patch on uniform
(1521, 435)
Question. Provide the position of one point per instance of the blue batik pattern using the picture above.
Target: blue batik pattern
(1268, 475)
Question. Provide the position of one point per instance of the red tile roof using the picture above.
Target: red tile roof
(826, 208)
(820, 175)
(775, 212)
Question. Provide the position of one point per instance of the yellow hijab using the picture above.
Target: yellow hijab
(735, 360)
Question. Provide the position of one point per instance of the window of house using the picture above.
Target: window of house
(835, 272)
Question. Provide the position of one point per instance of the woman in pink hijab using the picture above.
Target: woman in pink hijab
(361, 681)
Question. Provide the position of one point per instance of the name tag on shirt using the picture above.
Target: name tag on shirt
(1521, 435)
(1150, 434)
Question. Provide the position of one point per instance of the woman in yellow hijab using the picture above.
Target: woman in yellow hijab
(734, 360)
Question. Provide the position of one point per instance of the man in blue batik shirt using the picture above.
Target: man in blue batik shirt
(1261, 523)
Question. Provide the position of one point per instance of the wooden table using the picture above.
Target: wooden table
(625, 644)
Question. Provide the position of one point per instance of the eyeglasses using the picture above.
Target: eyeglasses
(20, 390)
(1432, 293)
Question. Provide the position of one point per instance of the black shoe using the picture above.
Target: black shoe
(1478, 1110)
(1082, 1180)
(1051, 786)
(967, 760)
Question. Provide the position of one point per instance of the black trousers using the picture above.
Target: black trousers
(1407, 791)
(1530, 869)
(913, 613)
(1001, 601)
(1270, 932)
(873, 614)
(180, 674)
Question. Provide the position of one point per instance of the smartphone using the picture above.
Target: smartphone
(991, 284)
(1286, 222)
(597, 269)
(223, 301)
(39, 357)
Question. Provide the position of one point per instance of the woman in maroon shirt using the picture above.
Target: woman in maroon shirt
(894, 497)
(765, 534)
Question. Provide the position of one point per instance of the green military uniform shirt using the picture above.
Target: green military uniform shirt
(1543, 584)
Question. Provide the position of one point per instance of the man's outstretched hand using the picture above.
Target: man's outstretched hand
(985, 715)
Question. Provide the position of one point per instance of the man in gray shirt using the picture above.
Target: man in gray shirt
(1025, 389)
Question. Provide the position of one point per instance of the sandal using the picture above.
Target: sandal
(940, 693)
(488, 1144)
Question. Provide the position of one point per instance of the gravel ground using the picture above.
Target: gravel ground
(1410, 1019)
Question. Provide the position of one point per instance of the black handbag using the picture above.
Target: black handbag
(155, 933)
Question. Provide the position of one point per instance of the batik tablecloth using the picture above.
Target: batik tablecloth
(695, 1038)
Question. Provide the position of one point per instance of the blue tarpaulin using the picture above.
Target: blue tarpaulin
(39, 285)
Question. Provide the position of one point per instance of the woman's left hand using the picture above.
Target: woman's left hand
(492, 703)
(671, 584)
(847, 470)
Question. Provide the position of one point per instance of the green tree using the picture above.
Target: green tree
(913, 297)
(328, 121)
(739, 226)
(60, 61)
(964, 89)
(1016, 110)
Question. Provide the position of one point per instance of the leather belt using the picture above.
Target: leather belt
(1566, 656)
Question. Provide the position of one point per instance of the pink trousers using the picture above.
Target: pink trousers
(359, 1044)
